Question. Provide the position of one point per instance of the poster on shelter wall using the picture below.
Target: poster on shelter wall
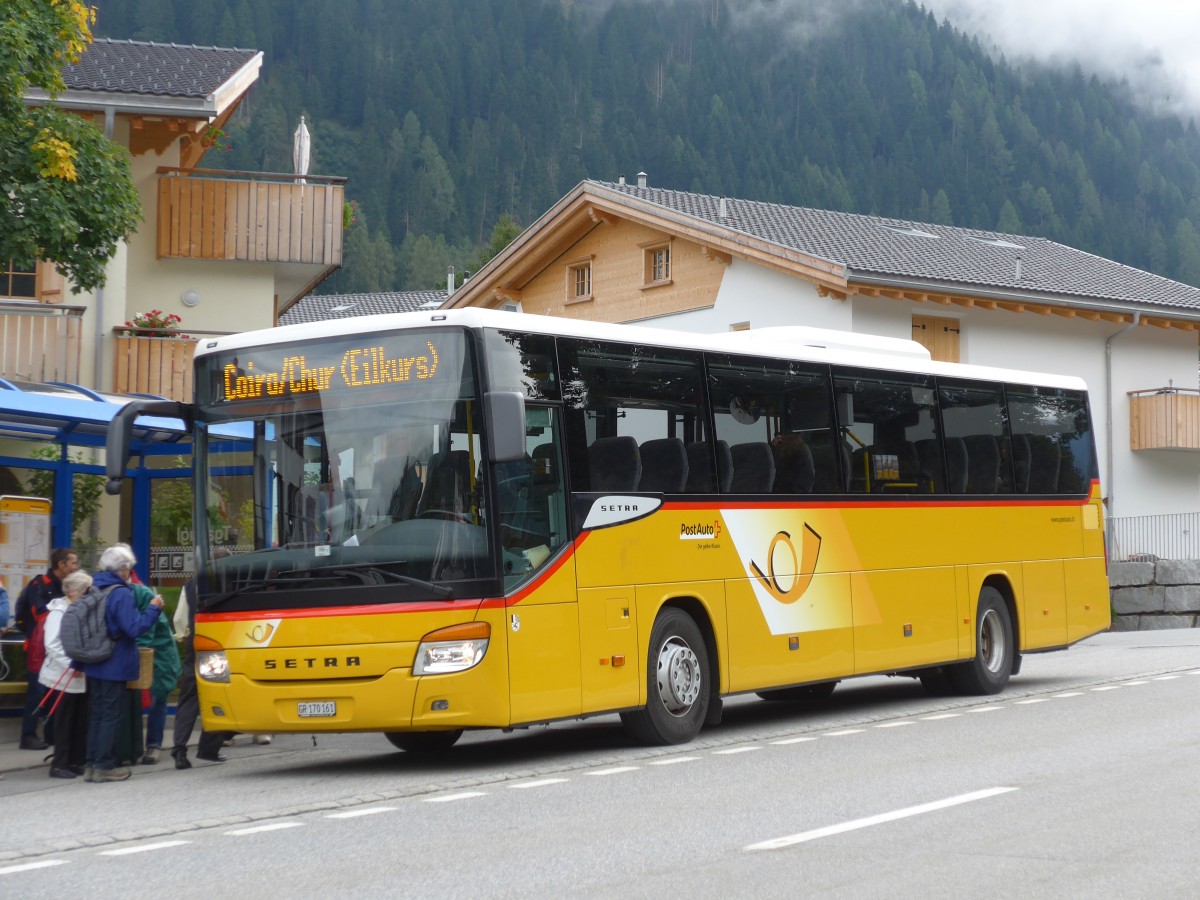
(24, 539)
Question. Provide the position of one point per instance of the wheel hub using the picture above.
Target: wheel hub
(678, 676)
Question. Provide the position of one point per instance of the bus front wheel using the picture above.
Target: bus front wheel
(995, 648)
(677, 676)
(423, 742)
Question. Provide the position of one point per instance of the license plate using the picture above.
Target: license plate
(317, 709)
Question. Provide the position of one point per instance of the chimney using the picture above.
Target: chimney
(621, 181)
(641, 179)
(721, 213)
(449, 282)
(1018, 268)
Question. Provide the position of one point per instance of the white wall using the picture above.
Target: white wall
(1142, 484)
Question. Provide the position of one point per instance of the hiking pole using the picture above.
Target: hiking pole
(67, 671)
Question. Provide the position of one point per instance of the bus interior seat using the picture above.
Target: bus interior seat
(828, 454)
(1020, 458)
(614, 464)
(1044, 463)
(448, 485)
(397, 489)
(794, 468)
(983, 463)
(664, 466)
(929, 453)
(956, 465)
(753, 468)
(700, 468)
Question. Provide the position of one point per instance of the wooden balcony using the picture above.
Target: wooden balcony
(40, 341)
(160, 366)
(250, 216)
(1164, 419)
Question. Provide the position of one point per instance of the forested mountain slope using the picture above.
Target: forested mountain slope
(447, 115)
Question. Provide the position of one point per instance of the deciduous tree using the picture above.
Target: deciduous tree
(66, 190)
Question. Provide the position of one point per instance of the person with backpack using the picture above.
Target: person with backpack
(30, 610)
(106, 678)
(66, 697)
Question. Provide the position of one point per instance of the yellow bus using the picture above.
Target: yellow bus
(457, 519)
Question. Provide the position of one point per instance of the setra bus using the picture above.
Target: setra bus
(436, 521)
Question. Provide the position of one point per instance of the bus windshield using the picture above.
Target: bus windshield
(363, 483)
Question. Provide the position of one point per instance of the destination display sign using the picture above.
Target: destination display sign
(276, 372)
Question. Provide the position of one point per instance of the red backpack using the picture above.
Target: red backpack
(35, 647)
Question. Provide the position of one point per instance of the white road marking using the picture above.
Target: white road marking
(355, 813)
(733, 750)
(143, 848)
(892, 724)
(29, 867)
(941, 716)
(907, 812)
(843, 732)
(672, 760)
(980, 709)
(1132, 683)
(1069, 694)
(274, 826)
(1032, 700)
(1107, 687)
(450, 798)
(532, 784)
(795, 740)
(615, 771)
(1166, 678)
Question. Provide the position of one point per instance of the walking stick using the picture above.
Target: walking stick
(67, 671)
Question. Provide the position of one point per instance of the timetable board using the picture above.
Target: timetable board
(24, 540)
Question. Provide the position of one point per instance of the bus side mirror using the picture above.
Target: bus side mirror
(505, 415)
(120, 434)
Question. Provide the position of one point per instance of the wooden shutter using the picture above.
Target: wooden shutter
(938, 335)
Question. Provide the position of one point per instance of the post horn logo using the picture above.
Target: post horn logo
(261, 633)
(804, 565)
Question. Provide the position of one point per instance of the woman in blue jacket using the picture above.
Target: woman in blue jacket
(106, 680)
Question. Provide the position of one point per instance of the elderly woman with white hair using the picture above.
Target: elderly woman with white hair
(106, 680)
(66, 687)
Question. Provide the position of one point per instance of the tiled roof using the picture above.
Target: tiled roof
(170, 70)
(933, 254)
(320, 307)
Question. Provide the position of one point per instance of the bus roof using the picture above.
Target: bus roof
(801, 343)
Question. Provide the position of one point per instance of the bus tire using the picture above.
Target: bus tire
(423, 742)
(677, 683)
(809, 693)
(995, 648)
(936, 681)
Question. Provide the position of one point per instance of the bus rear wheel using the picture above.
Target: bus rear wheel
(995, 649)
(423, 742)
(809, 693)
(678, 688)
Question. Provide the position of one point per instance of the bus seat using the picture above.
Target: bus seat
(929, 452)
(1044, 462)
(983, 464)
(829, 456)
(614, 464)
(956, 465)
(397, 489)
(753, 468)
(794, 467)
(700, 468)
(664, 466)
(724, 466)
(448, 485)
(1020, 463)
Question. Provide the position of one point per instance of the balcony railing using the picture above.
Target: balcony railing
(250, 216)
(40, 342)
(145, 363)
(1164, 419)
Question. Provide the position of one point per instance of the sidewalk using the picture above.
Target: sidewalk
(14, 759)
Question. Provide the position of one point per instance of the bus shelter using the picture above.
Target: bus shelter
(52, 439)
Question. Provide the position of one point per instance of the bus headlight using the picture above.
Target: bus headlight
(212, 665)
(453, 649)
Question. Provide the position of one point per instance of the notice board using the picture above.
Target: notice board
(24, 540)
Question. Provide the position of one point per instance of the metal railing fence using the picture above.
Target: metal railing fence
(1147, 538)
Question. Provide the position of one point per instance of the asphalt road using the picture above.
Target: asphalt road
(1078, 781)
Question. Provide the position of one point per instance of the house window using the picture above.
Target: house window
(18, 279)
(658, 264)
(579, 281)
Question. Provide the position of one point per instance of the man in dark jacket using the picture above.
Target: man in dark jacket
(106, 680)
(31, 608)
